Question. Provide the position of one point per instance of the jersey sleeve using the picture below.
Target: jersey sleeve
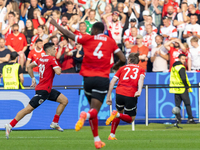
(116, 49)
(54, 63)
(30, 55)
(82, 39)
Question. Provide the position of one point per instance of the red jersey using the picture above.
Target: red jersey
(16, 42)
(170, 3)
(34, 56)
(46, 64)
(36, 23)
(173, 53)
(98, 51)
(128, 76)
(79, 33)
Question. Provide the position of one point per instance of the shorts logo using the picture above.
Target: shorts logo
(40, 101)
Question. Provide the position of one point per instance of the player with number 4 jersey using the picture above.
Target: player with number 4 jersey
(47, 68)
(98, 51)
(130, 82)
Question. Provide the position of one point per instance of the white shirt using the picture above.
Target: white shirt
(142, 30)
(137, 8)
(180, 18)
(171, 31)
(127, 33)
(149, 41)
(195, 57)
(116, 30)
(3, 12)
(131, 40)
(191, 28)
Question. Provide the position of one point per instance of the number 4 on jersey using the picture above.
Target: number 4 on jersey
(97, 52)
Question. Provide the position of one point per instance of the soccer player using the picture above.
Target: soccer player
(47, 69)
(131, 79)
(98, 50)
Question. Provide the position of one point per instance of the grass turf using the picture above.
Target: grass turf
(153, 137)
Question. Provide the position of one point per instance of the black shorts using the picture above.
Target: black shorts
(129, 104)
(42, 95)
(96, 87)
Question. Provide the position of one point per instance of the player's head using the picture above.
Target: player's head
(49, 48)
(133, 58)
(97, 28)
(182, 58)
(13, 55)
(39, 44)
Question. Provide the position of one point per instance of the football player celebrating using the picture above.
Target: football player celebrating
(131, 79)
(47, 68)
(98, 51)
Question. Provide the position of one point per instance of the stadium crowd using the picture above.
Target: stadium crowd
(159, 30)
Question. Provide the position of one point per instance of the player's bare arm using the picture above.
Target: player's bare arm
(140, 85)
(121, 62)
(30, 72)
(62, 30)
(111, 86)
(57, 70)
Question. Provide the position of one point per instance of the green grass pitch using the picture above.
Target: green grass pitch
(153, 137)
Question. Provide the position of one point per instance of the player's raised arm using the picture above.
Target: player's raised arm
(62, 30)
(121, 61)
(30, 72)
(111, 86)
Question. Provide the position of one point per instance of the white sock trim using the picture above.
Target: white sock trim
(97, 138)
(112, 135)
(118, 114)
(88, 116)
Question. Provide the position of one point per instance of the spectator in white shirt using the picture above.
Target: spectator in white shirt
(159, 56)
(191, 30)
(134, 10)
(181, 19)
(194, 55)
(132, 23)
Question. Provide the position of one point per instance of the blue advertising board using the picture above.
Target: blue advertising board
(161, 102)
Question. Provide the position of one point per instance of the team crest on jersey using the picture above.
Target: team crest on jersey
(20, 38)
(40, 101)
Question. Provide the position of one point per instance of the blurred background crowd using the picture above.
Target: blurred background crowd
(159, 30)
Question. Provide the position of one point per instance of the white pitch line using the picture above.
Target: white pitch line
(31, 137)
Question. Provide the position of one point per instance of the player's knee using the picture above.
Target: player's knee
(65, 101)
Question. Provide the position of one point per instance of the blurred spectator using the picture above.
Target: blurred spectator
(19, 22)
(67, 62)
(194, 55)
(55, 41)
(7, 28)
(91, 20)
(168, 31)
(75, 19)
(142, 50)
(4, 54)
(56, 16)
(171, 13)
(37, 19)
(64, 21)
(14, 6)
(193, 11)
(145, 14)
(142, 4)
(123, 9)
(134, 10)
(175, 48)
(181, 19)
(156, 12)
(116, 26)
(108, 10)
(35, 54)
(29, 32)
(98, 6)
(148, 21)
(48, 8)
(130, 41)
(191, 30)
(3, 12)
(70, 10)
(168, 3)
(16, 41)
(70, 6)
(82, 28)
(114, 4)
(127, 33)
(149, 41)
(41, 35)
(159, 56)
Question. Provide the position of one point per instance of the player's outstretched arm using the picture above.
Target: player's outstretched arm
(111, 86)
(62, 30)
(30, 72)
(121, 61)
(140, 85)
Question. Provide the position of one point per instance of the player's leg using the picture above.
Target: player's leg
(21, 59)
(178, 101)
(39, 97)
(60, 98)
(186, 99)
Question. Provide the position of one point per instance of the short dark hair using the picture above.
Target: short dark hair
(47, 46)
(184, 3)
(38, 40)
(64, 15)
(11, 13)
(179, 56)
(13, 55)
(134, 58)
(82, 23)
(15, 25)
(99, 26)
